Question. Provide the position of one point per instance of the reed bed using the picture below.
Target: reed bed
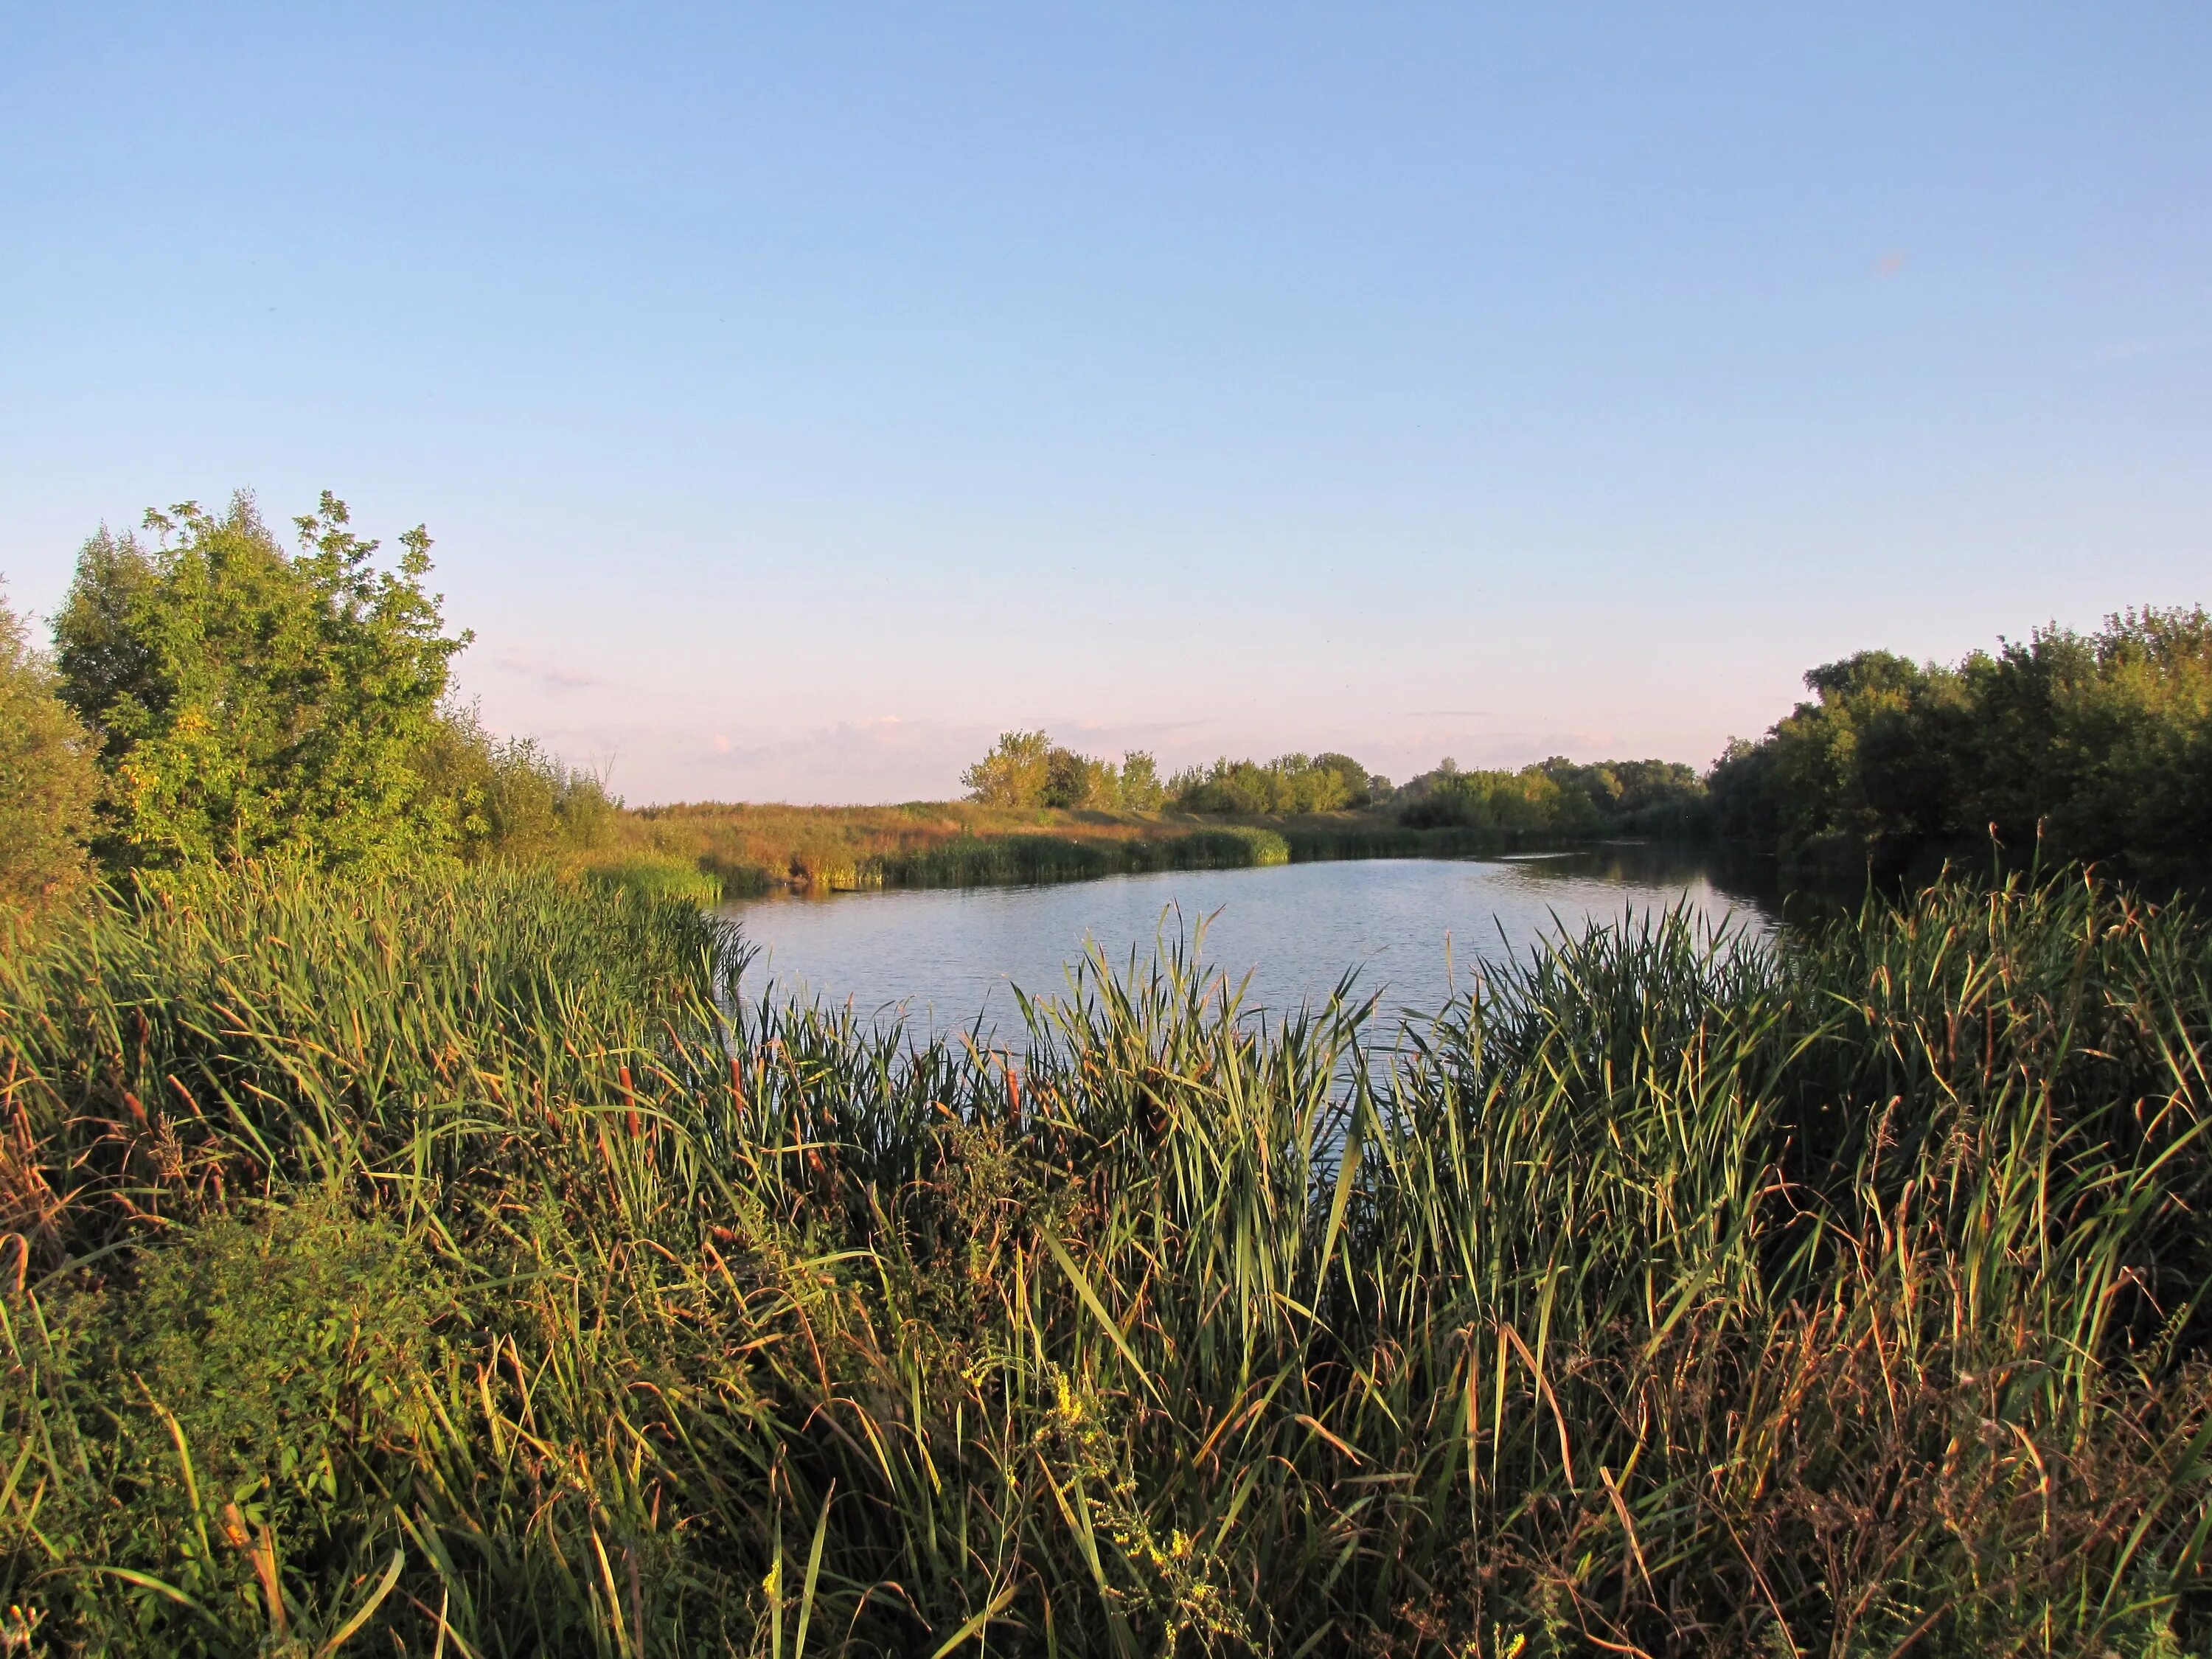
(751, 850)
(465, 1266)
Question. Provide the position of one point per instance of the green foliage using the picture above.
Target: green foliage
(1284, 786)
(1557, 797)
(1142, 791)
(657, 880)
(1529, 799)
(47, 779)
(1015, 772)
(1077, 782)
(249, 701)
(511, 798)
(1663, 1297)
(1645, 797)
(2099, 745)
(259, 1383)
(1027, 769)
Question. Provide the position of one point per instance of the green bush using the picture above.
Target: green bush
(511, 798)
(48, 779)
(1284, 786)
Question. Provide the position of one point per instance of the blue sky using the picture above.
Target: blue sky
(800, 396)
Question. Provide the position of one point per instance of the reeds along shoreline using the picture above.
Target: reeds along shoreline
(441, 1259)
(739, 851)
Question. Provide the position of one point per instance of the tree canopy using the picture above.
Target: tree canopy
(248, 700)
(2098, 745)
(1029, 769)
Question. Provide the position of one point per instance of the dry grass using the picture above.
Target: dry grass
(752, 848)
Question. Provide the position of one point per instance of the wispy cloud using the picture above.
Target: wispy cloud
(545, 673)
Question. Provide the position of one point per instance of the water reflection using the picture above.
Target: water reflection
(1412, 928)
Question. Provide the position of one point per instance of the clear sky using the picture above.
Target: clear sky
(800, 396)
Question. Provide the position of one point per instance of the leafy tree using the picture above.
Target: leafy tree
(1078, 781)
(1529, 799)
(1287, 785)
(249, 701)
(1141, 788)
(2098, 746)
(1357, 783)
(47, 777)
(1015, 772)
(1029, 769)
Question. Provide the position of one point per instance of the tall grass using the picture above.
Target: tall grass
(465, 1266)
(750, 850)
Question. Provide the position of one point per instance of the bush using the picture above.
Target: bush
(48, 779)
(1287, 786)
(1026, 769)
(511, 798)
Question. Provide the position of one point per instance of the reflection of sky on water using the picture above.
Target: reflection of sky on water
(1404, 924)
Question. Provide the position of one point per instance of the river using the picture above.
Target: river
(1411, 928)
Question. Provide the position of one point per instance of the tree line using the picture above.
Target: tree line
(212, 695)
(2065, 746)
(1029, 769)
(2077, 746)
(1026, 769)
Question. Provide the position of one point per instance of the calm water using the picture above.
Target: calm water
(940, 957)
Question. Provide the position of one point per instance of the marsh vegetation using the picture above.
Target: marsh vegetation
(416, 1232)
(467, 1256)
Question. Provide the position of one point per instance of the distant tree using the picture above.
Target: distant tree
(1649, 796)
(1074, 781)
(1358, 791)
(1015, 772)
(1141, 789)
(48, 778)
(1529, 799)
(246, 700)
(1288, 785)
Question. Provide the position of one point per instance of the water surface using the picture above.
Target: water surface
(1410, 928)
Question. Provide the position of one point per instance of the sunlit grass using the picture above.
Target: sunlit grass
(468, 1258)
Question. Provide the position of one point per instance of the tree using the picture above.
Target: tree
(1287, 785)
(1357, 786)
(47, 778)
(1078, 781)
(1141, 788)
(2093, 747)
(1014, 774)
(248, 701)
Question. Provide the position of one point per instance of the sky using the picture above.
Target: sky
(800, 396)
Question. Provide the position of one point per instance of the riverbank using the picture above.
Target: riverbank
(442, 1255)
(737, 850)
